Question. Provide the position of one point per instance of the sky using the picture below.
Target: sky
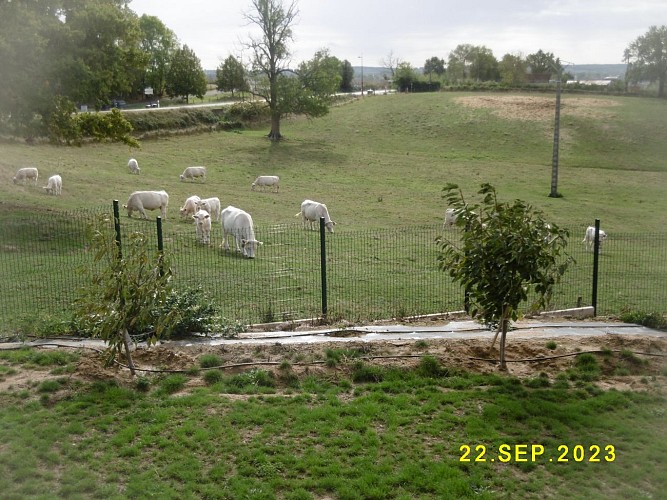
(369, 32)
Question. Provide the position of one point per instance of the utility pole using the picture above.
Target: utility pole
(554, 160)
(362, 74)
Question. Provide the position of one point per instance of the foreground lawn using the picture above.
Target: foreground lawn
(364, 432)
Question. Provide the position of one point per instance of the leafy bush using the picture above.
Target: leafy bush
(250, 111)
(65, 125)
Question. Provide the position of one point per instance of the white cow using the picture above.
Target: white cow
(311, 211)
(589, 238)
(203, 226)
(211, 205)
(237, 223)
(54, 185)
(26, 174)
(190, 206)
(141, 201)
(266, 181)
(133, 166)
(194, 172)
(450, 218)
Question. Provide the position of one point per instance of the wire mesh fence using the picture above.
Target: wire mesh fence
(370, 274)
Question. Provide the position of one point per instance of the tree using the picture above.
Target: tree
(271, 53)
(405, 76)
(159, 43)
(391, 62)
(124, 290)
(458, 65)
(647, 57)
(512, 69)
(95, 54)
(543, 63)
(484, 67)
(185, 76)
(434, 65)
(346, 76)
(85, 51)
(231, 76)
(507, 252)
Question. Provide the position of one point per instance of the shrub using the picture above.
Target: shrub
(213, 377)
(173, 383)
(648, 319)
(429, 367)
(362, 372)
(209, 361)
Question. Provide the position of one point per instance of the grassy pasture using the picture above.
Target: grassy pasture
(380, 163)
(358, 430)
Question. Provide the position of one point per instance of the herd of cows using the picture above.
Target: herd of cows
(235, 222)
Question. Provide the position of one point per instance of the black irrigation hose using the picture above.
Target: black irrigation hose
(269, 363)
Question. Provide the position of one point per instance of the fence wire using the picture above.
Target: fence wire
(371, 274)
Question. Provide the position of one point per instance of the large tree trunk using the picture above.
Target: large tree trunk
(275, 135)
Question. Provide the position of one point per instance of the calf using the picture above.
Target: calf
(54, 185)
(266, 181)
(589, 238)
(193, 173)
(312, 211)
(141, 201)
(190, 206)
(26, 174)
(450, 218)
(211, 205)
(203, 226)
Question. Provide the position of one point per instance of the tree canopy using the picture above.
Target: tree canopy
(186, 76)
(230, 76)
(647, 58)
(434, 65)
(159, 43)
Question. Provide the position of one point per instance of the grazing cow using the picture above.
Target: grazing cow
(311, 211)
(147, 200)
(133, 166)
(266, 181)
(190, 206)
(25, 174)
(211, 205)
(589, 238)
(194, 172)
(237, 223)
(54, 185)
(203, 226)
(450, 218)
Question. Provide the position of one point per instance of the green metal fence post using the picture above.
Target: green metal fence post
(323, 268)
(596, 255)
(116, 225)
(160, 245)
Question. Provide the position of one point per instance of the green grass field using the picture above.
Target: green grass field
(359, 430)
(379, 163)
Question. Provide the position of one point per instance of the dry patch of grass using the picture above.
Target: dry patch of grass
(539, 108)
